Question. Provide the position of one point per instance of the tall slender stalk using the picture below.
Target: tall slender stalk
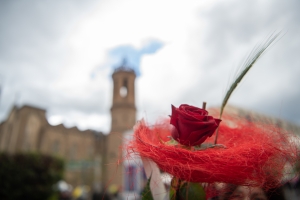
(248, 64)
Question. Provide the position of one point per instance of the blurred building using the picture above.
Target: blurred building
(91, 158)
(27, 130)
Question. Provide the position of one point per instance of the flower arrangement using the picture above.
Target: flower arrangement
(242, 152)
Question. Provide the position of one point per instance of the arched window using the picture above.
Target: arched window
(124, 88)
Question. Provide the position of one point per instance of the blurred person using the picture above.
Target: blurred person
(80, 193)
(98, 193)
(234, 192)
(64, 190)
(292, 189)
(114, 192)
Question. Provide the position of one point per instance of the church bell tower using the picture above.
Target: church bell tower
(123, 118)
(123, 110)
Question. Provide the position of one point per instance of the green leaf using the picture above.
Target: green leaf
(171, 142)
(172, 193)
(186, 191)
(192, 191)
(205, 146)
(146, 193)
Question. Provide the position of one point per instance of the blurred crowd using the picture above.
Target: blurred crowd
(83, 192)
(289, 191)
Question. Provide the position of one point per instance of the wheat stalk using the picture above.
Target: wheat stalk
(248, 64)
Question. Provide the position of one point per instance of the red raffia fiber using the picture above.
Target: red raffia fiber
(255, 155)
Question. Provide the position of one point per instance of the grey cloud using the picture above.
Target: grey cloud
(32, 50)
(241, 22)
(237, 24)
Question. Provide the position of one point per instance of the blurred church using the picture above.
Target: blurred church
(92, 158)
(27, 130)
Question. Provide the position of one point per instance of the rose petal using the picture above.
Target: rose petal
(218, 121)
(184, 142)
(174, 133)
(174, 116)
(200, 141)
(192, 112)
(195, 136)
(186, 126)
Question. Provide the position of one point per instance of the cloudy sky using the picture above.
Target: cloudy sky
(59, 55)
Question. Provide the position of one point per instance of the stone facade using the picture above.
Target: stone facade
(27, 130)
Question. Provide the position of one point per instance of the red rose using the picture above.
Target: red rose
(192, 125)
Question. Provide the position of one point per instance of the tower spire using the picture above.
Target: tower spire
(124, 66)
(124, 62)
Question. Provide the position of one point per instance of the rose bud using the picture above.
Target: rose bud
(192, 125)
